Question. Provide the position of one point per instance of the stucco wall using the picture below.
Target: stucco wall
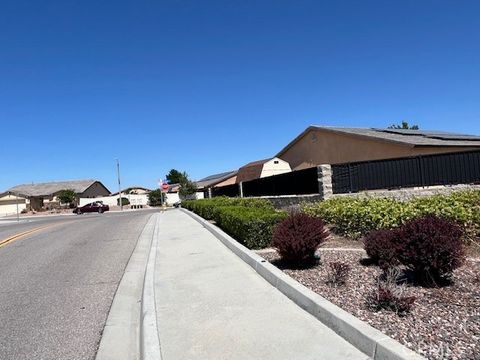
(275, 166)
(140, 199)
(325, 147)
(174, 197)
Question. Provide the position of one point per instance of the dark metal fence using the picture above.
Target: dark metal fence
(228, 190)
(424, 170)
(299, 182)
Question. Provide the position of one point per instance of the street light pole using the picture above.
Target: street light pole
(119, 187)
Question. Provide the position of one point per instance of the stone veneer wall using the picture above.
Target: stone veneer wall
(325, 192)
(409, 193)
(293, 201)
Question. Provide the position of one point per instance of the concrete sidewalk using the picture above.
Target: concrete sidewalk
(209, 304)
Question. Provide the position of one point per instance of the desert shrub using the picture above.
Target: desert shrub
(337, 273)
(298, 237)
(388, 295)
(383, 247)
(250, 226)
(432, 247)
(390, 298)
(356, 216)
(125, 201)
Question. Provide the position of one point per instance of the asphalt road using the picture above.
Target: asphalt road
(57, 284)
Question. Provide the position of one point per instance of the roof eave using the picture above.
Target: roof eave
(448, 145)
(217, 181)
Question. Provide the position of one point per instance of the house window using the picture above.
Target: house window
(275, 161)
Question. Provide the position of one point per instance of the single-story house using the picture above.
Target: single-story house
(262, 168)
(43, 195)
(217, 180)
(319, 145)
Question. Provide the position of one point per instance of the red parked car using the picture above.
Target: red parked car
(97, 207)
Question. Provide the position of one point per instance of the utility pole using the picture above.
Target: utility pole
(16, 201)
(18, 214)
(119, 187)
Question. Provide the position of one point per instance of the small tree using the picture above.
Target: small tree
(156, 197)
(187, 189)
(404, 125)
(67, 196)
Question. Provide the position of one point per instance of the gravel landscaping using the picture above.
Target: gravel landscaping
(443, 324)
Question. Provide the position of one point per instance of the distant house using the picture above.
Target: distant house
(262, 168)
(334, 145)
(136, 197)
(134, 190)
(202, 186)
(43, 195)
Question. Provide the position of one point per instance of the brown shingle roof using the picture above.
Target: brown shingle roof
(50, 188)
(214, 179)
(406, 137)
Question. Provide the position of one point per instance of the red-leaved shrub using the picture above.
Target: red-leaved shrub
(432, 248)
(298, 237)
(383, 247)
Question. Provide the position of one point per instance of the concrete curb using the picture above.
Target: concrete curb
(370, 341)
(149, 337)
(121, 335)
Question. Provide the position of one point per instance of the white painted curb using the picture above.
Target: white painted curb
(149, 340)
(370, 341)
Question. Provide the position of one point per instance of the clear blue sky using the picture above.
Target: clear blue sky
(207, 86)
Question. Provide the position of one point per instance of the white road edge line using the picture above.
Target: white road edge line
(149, 339)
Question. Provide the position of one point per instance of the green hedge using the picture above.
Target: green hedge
(205, 207)
(249, 221)
(355, 216)
(252, 227)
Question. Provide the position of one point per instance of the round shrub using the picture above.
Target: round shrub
(383, 247)
(432, 248)
(298, 237)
